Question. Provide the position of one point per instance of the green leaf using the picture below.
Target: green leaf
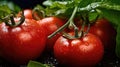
(97, 5)
(92, 16)
(114, 1)
(108, 10)
(85, 3)
(11, 5)
(36, 64)
(47, 3)
(118, 42)
(111, 15)
(5, 8)
(4, 11)
(111, 6)
(61, 8)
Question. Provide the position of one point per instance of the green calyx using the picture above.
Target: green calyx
(12, 22)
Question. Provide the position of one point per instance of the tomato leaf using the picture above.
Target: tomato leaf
(65, 8)
(114, 1)
(7, 8)
(111, 15)
(92, 16)
(85, 3)
(4, 11)
(11, 5)
(36, 64)
(108, 10)
(59, 8)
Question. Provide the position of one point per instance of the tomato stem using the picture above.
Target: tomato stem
(85, 21)
(82, 28)
(66, 24)
(12, 20)
(38, 13)
(87, 29)
(76, 32)
(66, 35)
(22, 19)
(13, 23)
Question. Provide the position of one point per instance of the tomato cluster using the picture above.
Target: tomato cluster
(29, 40)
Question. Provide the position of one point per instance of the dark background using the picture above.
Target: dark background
(27, 3)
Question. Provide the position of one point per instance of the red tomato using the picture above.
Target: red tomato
(104, 30)
(51, 24)
(86, 51)
(22, 43)
(27, 13)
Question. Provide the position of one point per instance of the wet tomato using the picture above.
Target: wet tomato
(86, 51)
(51, 24)
(22, 43)
(27, 13)
(104, 30)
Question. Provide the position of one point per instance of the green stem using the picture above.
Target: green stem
(65, 25)
(75, 28)
(66, 35)
(86, 32)
(87, 19)
(13, 23)
(40, 13)
(82, 28)
(76, 32)
(59, 29)
(12, 20)
(22, 19)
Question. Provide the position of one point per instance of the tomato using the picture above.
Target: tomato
(51, 24)
(104, 30)
(86, 51)
(22, 43)
(27, 13)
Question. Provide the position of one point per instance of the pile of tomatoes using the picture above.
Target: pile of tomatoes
(28, 41)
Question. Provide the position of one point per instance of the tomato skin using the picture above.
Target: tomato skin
(104, 30)
(86, 51)
(27, 13)
(22, 43)
(51, 24)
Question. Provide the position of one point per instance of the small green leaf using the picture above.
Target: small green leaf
(93, 16)
(4, 11)
(36, 64)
